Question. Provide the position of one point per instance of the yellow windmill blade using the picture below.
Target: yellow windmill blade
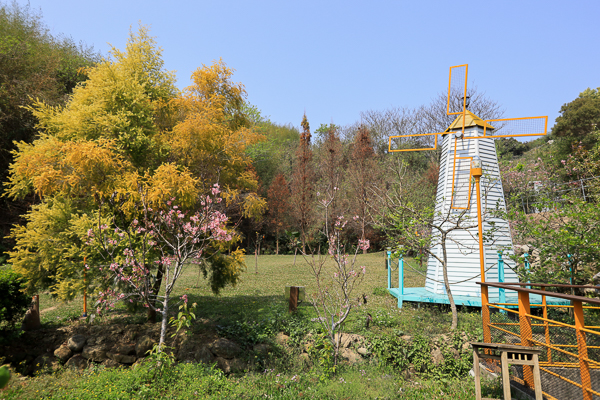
(457, 86)
(417, 139)
(516, 127)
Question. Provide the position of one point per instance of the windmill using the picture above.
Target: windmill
(468, 138)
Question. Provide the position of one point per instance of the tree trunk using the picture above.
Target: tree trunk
(447, 285)
(295, 253)
(151, 315)
(277, 245)
(163, 325)
(363, 239)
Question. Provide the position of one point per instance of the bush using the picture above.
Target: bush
(13, 301)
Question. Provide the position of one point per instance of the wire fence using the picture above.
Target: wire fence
(568, 334)
(586, 189)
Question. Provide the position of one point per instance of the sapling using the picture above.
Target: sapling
(170, 238)
(335, 281)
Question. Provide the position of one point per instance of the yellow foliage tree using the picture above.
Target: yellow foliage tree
(213, 132)
(128, 133)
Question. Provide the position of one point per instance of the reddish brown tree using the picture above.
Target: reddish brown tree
(363, 179)
(278, 197)
(302, 184)
(331, 168)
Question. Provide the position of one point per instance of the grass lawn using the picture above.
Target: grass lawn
(258, 302)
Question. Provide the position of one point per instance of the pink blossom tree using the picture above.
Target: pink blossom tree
(336, 275)
(168, 237)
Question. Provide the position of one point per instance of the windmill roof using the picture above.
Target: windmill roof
(470, 120)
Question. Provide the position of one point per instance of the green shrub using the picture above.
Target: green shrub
(13, 301)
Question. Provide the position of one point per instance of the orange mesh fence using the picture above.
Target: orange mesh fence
(570, 360)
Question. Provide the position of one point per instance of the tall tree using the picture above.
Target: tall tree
(213, 133)
(302, 183)
(278, 201)
(331, 170)
(363, 177)
(276, 153)
(34, 64)
(577, 124)
(106, 151)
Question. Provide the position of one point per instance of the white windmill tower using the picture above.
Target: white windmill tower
(468, 138)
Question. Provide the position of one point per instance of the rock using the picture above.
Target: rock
(305, 359)
(77, 362)
(348, 339)
(233, 365)
(363, 351)
(125, 348)
(262, 349)
(223, 364)
(205, 356)
(63, 353)
(45, 363)
(138, 362)
(121, 358)
(76, 343)
(437, 356)
(108, 363)
(225, 348)
(192, 350)
(237, 365)
(281, 338)
(95, 353)
(406, 338)
(351, 356)
(143, 345)
(521, 249)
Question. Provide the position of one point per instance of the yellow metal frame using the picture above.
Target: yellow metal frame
(415, 135)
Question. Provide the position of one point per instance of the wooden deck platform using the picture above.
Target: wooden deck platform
(420, 295)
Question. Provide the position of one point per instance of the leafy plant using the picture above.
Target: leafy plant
(392, 351)
(185, 316)
(322, 351)
(13, 301)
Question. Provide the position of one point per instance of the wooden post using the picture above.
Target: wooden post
(32, 317)
(84, 287)
(584, 367)
(294, 293)
(477, 374)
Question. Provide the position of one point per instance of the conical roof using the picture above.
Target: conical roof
(470, 120)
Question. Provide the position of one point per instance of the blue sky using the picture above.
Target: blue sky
(334, 59)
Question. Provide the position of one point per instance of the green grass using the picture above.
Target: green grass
(254, 311)
(188, 381)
